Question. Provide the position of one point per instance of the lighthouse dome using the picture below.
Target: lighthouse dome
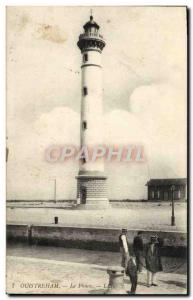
(91, 23)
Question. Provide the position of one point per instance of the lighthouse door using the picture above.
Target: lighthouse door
(83, 194)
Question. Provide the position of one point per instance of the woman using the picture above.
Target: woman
(153, 260)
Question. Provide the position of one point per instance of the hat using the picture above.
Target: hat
(153, 238)
(124, 230)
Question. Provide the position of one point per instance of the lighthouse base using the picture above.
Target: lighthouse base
(92, 191)
(94, 205)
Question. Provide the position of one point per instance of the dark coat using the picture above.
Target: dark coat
(153, 260)
(137, 244)
(131, 269)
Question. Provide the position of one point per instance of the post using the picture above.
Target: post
(173, 214)
(116, 283)
(29, 234)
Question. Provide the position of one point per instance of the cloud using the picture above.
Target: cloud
(27, 157)
(161, 109)
(122, 127)
(61, 126)
(126, 180)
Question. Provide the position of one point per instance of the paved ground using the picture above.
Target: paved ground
(131, 215)
(40, 270)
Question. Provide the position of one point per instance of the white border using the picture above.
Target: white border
(3, 5)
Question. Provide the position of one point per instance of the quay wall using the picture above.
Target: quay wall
(104, 239)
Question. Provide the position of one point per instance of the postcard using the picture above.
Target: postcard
(96, 150)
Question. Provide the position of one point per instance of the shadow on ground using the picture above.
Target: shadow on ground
(177, 283)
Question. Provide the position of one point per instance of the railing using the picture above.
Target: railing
(90, 35)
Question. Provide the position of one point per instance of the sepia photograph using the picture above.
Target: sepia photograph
(96, 150)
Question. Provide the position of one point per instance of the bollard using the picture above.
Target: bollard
(55, 220)
(116, 283)
(29, 234)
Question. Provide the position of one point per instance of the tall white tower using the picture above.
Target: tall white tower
(91, 179)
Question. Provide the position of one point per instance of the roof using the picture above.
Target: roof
(168, 181)
(91, 23)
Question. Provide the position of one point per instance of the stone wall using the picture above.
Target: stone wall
(95, 188)
(175, 243)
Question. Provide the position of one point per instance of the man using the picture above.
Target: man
(127, 262)
(153, 260)
(138, 250)
(131, 271)
(124, 249)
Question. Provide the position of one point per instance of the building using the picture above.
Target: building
(91, 179)
(162, 189)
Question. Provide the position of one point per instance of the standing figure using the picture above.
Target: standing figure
(138, 250)
(153, 260)
(128, 262)
(131, 271)
(124, 248)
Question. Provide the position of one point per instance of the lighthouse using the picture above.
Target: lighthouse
(91, 179)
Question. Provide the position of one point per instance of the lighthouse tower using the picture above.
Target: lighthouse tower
(91, 179)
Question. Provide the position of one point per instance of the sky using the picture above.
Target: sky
(144, 81)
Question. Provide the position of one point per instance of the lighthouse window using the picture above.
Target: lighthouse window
(85, 57)
(83, 160)
(85, 91)
(84, 125)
